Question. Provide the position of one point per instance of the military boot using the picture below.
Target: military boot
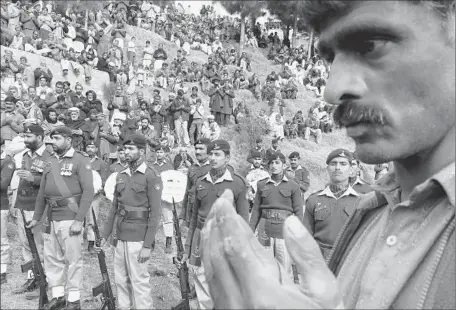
(168, 248)
(56, 304)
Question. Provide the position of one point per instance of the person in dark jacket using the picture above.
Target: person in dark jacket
(92, 103)
(216, 100)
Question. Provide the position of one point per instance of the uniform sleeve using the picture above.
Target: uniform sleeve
(154, 190)
(242, 204)
(86, 182)
(309, 221)
(6, 174)
(297, 203)
(108, 226)
(40, 203)
(255, 217)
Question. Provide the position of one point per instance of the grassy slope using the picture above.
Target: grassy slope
(163, 274)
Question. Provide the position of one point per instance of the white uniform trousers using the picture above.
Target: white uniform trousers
(202, 288)
(281, 254)
(132, 278)
(89, 217)
(60, 247)
(4, 246)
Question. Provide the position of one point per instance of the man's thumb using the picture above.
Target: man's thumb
(316, 278)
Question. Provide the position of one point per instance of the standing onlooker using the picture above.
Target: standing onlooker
(11, 121)
(181, 109)
(227, 105)
(216, 100)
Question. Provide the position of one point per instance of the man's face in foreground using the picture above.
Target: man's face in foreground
(379, 52)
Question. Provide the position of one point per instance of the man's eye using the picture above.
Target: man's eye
(369, 47)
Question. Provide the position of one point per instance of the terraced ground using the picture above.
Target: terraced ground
(163, 274)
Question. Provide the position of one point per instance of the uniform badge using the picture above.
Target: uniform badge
(342, 154)
(321, 212)
(88, 167)
(10, 166)
(216, 146)
(157, 187)
(200, 187)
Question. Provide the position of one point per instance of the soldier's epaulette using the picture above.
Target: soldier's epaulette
(151, 167)
(82, 153)
(240, 176)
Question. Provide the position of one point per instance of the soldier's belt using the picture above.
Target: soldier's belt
(55, 203)
(275, 214)
(132, 213)
(200, 222)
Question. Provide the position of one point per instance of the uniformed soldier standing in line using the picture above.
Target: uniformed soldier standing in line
(360, 185)
(67, 189)
(160, 165)
(257, 172)
(277, 198)
(102, 168)
(327, 210)
(298, 173)
(196, 170)
(134, 215)
(30, 164)
(207, 189)
(6, 174)
(121, 163)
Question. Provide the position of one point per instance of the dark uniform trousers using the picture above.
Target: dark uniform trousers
(325, 216)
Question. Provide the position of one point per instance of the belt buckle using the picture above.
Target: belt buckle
(122, 212)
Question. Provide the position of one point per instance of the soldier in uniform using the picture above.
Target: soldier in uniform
(277, 198)
(67, 189)
(207, 189)
(360, 185)
(121, 163)
(327, 210)
(134, 216)
(257, 172)
(6, 174)
(30, 164)
(102, 168)
(196, 170)
(298, 173)
(160, 165)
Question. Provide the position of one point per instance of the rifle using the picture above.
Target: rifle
(108, 299)
(183, 269)
(295, 273)
(35, 265)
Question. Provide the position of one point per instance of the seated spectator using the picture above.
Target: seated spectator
(210, 129)
(290, 130)
(312, 126)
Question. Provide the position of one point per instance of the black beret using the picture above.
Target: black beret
(61, 130)
(10, 99)
(35, 129)
(137, 140)
(204, 141)
(160, 148)
(339, 153)
(219, 145)
(91, 142)
(259, 140)
(256, 154)
(276, 155)
(120, 148)
(294, 155)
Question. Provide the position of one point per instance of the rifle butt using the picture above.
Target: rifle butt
(97, 290)
(27, 266)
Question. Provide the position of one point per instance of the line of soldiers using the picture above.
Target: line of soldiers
(62, 181)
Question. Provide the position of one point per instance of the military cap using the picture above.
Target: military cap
(256, 154)
(258, 140)
(61, 130)
(339, 153)
(204, 141)
(160, 147)
(91, 142)
(294, 155)
(73, 109)
(34, 129)
(136, 140)
(10, 99)
(276, 155)
(219, 145)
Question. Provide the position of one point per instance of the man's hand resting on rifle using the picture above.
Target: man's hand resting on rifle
(243, 275)
(102, 244)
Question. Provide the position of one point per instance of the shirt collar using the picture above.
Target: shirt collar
(270, 180)
(39, 151)
(141, 168)
(225, 177)
(327, 192)
(297, 168)
(203, 164)
(358, 181)
(94, 158)
(120, 163)
(389, 187)
(69, 153)
(252, 167)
